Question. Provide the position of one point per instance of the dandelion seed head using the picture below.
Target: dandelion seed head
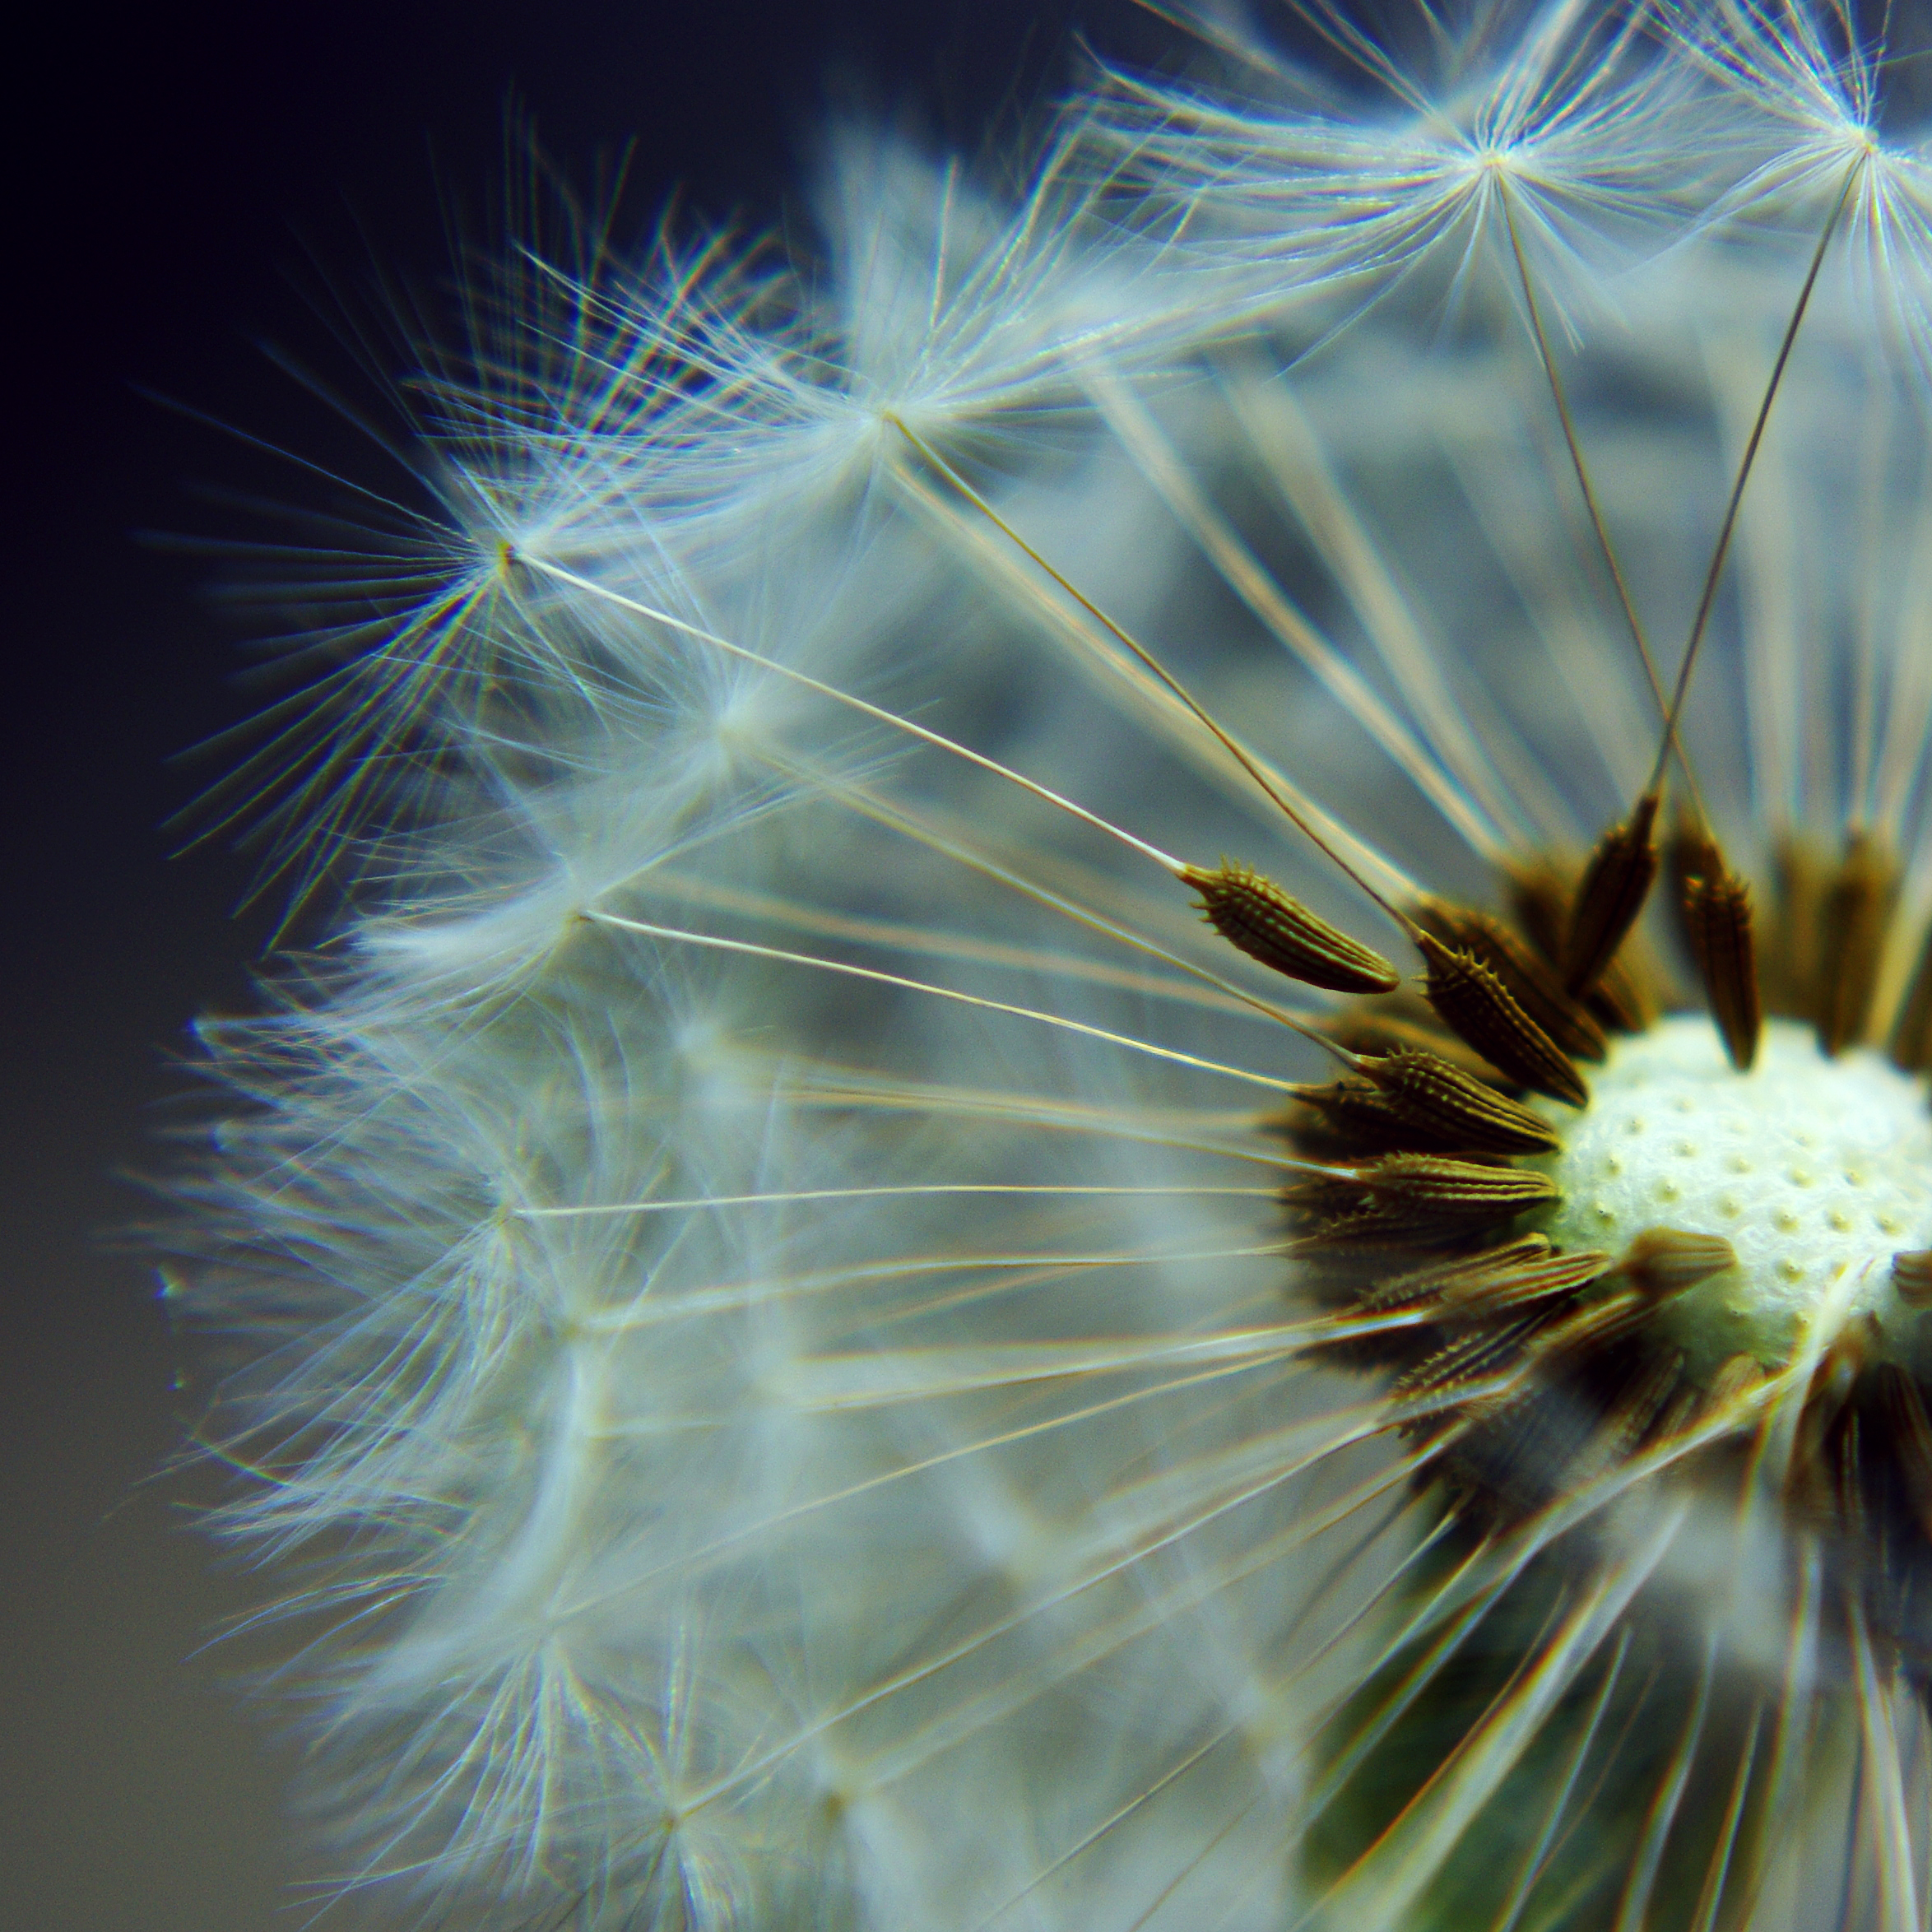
(820, 1349)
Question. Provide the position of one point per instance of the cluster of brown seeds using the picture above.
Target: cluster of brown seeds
(1523, 1371)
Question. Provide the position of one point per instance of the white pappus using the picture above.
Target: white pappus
(811, 1346)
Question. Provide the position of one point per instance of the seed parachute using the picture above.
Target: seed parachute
(1114, 1110)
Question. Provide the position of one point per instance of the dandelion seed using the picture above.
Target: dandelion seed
(817, 1347)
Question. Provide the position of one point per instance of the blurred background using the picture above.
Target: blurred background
(188, 184)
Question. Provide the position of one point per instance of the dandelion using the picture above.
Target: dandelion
(1120, 1115)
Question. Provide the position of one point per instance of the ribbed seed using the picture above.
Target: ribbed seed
(1592, 1325)
(1735, 1377)
(1716, 906)
(1639, 1403)
(1858, 906)
(1531, 1281)
(1425, 1192)
(1663, 1261)
(1514, 961)
(1469, 1359)
(1539, 898)
(1254, 913)
(1447, 1102)
(1470, 1274)
(1475, 1004)
(1693, 853)
(1615, 884)
(1354, 1116)
(1911, 1276)
(1399, 1021)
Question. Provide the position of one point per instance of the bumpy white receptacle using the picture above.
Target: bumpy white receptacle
(1816, 1171)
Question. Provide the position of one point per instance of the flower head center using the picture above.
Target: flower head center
(1816, 1170)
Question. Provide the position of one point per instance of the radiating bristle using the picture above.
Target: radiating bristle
(826, 1362)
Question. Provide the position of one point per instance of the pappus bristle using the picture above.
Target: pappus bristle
(1124, 1120)
(1401, 158)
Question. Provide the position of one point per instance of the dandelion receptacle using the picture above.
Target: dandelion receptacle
(1116, 1112)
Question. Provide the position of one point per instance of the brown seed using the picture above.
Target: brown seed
(1903, 1408)
(1540, 894)
(1693, 853)
(1471, 1357)
(1838, 1371)
(1631, 992)
(1627, 996)
(1380, 1026)
(1664, 1261)
(1459, 1110)
(1531, 982)
(1716, 906)
(1911, 1276)
(1255, 914)
(1353, 1120)
(1638, 1404)
(1912, 1038)
(1858, 907)
(1471, 1274)
(1592, 1325)
(1501, 1287)
(1615, 884)
(1428, 1193)
(1736, 1377)
(1474, 1003)
(1789, 973)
